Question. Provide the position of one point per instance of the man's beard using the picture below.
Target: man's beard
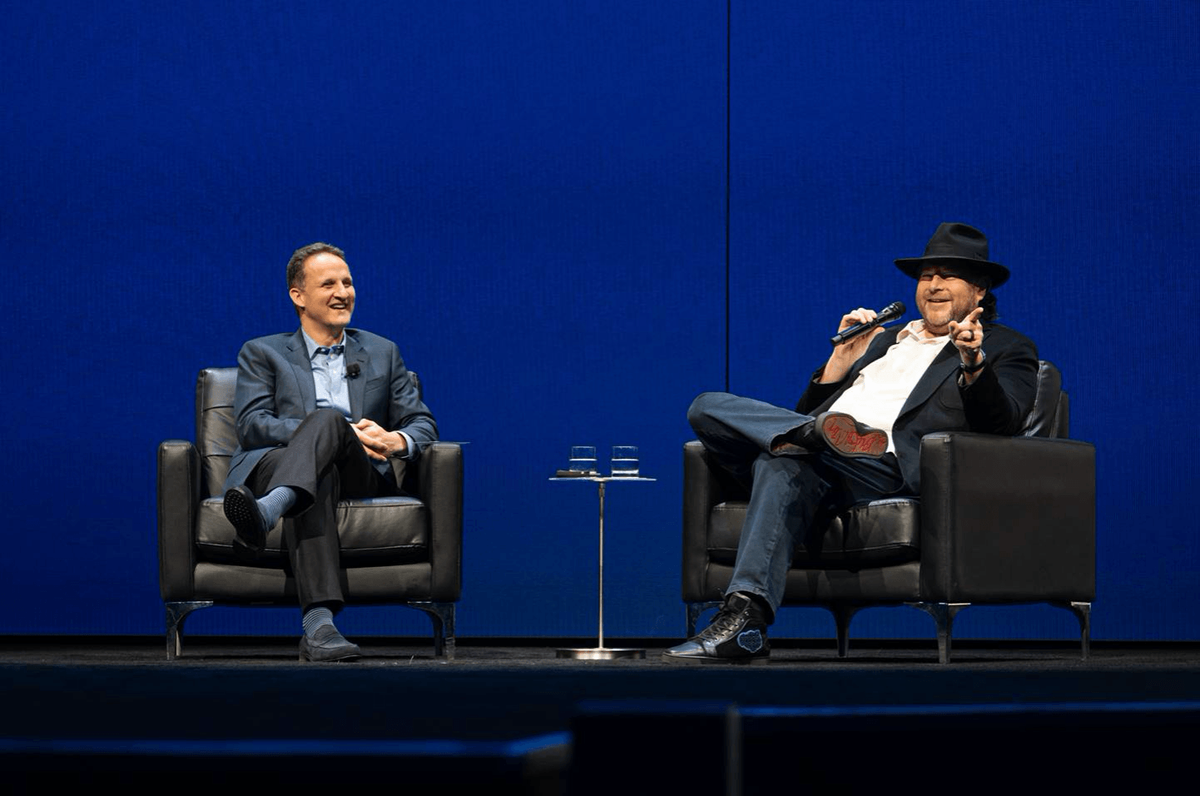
(957, 312)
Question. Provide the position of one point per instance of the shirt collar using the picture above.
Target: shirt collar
(312, 346)
(916, 329)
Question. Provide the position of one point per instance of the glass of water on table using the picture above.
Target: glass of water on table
(625, 461)
(583, 459)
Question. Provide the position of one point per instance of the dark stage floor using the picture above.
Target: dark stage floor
(511, 712)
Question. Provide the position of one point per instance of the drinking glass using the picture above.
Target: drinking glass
(624, 461)
(583, 459)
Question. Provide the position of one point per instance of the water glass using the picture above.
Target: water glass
(583, 459)
(624, 461)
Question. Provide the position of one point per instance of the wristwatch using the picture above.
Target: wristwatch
(978, 366)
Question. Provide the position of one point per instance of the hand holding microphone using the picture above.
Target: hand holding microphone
(859, 327)
(866, 323)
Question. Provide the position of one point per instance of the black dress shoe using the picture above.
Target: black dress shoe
(241, 509)
(842, 434)
(737, 634)
(326, 645)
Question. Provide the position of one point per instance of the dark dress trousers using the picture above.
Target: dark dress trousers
(284, 440)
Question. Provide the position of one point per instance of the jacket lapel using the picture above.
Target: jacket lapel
(878, 347)
(357, 355)
(302, 368)
(944, 366)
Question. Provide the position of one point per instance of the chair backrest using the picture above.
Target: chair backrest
(1050, 416)
(216, 427)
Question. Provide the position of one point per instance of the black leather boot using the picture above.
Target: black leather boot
(737, 634)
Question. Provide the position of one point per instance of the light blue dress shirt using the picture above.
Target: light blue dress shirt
(331, 383)
(329, 375)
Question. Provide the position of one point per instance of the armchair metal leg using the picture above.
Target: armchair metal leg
(842, 614)
(442, 616)
(1083, 612)
(177, 612)
(943, 614)
(693, 614)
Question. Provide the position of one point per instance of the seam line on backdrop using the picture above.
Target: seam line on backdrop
(728, 172)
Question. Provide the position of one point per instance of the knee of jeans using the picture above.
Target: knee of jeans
(700, 407)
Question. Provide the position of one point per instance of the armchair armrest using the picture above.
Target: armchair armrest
(178, 502)
(1007, 519)
(440, 487)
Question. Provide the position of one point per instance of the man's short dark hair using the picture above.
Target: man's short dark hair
(295, 268)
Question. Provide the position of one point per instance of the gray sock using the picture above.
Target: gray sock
(315, 618)
(275, 503)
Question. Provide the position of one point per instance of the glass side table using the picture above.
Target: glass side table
(601, 652)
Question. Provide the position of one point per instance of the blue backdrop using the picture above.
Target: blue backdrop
(573, 217)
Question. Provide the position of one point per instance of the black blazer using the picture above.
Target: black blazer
(997, 403)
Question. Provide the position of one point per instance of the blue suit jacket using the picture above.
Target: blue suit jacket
(275, 392)
(997, 403)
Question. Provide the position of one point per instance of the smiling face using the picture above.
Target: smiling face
(943, 295)
(324, 298)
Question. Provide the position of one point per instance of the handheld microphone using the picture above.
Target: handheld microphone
(352, 370)
(889, 313)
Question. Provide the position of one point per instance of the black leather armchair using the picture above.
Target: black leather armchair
(1000, 520)
(395, 550)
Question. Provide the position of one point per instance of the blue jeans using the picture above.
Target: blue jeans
(787, 492)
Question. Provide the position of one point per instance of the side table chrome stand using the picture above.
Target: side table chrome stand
(601, 652)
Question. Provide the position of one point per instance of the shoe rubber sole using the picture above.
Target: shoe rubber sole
(353, 656)
(688, 660)
(852, 439)
(242, 513)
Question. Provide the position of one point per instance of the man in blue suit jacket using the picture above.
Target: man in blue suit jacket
(321, 413)
(855, 434)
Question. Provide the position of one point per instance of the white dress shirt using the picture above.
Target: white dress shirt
(878, 394)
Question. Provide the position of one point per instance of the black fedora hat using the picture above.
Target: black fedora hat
(962, 245)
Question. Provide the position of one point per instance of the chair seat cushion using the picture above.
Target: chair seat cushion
(876, 534)
(371, 532)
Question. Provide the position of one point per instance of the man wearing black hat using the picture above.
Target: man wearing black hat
(856, 432)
